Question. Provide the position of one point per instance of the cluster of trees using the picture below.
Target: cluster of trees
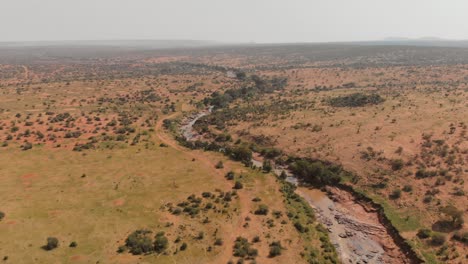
(356, 100)
(140, 242)
(241, 152)
(255, 85)
(244, 249)
(316, 173)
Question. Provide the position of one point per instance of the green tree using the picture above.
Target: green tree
(161, 242)
(52, 243)
(267, 167)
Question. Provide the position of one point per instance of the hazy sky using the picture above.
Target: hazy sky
(234, 20)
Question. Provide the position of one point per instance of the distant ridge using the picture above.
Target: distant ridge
(176, 44)
(424, 41)
(150, 44)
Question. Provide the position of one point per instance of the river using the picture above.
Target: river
(354, 227)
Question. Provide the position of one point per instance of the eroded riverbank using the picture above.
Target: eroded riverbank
(355, 227)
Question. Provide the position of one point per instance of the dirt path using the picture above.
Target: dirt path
(26, 72)
(234, 229)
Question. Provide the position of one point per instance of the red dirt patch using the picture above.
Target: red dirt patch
(119, 202)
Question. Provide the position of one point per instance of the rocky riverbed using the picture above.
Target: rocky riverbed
(354, 227)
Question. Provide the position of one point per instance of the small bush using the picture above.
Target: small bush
(52, 243)
(230, 176)
(437, 240)
(219, 165)
(396, 194)
(238, 185)
(461, 236)
(427, 199)
(424, 233)
(2, 215)
(261, 210)
(73, 244)
(408, 188)
(26, 146)
(397, 164)
(201, 235)
(300, 227)
(256, 239)
(218, 242)
(275, 249)
(183, 246)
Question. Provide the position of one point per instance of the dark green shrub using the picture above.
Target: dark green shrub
(424, 233)
(52, 243)
(161, 242)
(200, 235)
(437, 239)
(461, 236)
(218, 242)
(300, 227)
(183, 246)
(219, 165)
(230, 175)
(396, 194)
(261, 210)
(408, 188)
(139, 242)
(238, 185)
(242, 248)
(73, 244)
(275, 249)
(397, 164)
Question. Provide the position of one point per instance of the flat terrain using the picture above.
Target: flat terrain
(91, 149)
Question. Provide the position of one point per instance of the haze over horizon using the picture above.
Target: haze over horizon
(259, 21)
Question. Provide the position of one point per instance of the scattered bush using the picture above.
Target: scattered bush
(396, 194)
(261, 210)
(461, 236)
(183, 246)
(52, 243)
(73, 244)
(238, 185)
(397, 164)
(255, 239)
(26, 146)
(408, 188)
(218, 242)
(424, 233)
(242, 248)
(437, 239)
(275, 249)
(229, 176)
(219, 165)
(455, 215)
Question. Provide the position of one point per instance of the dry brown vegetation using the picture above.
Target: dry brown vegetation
(407, 151)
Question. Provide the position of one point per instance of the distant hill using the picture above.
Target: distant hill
(424, 42)
(138, 44)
